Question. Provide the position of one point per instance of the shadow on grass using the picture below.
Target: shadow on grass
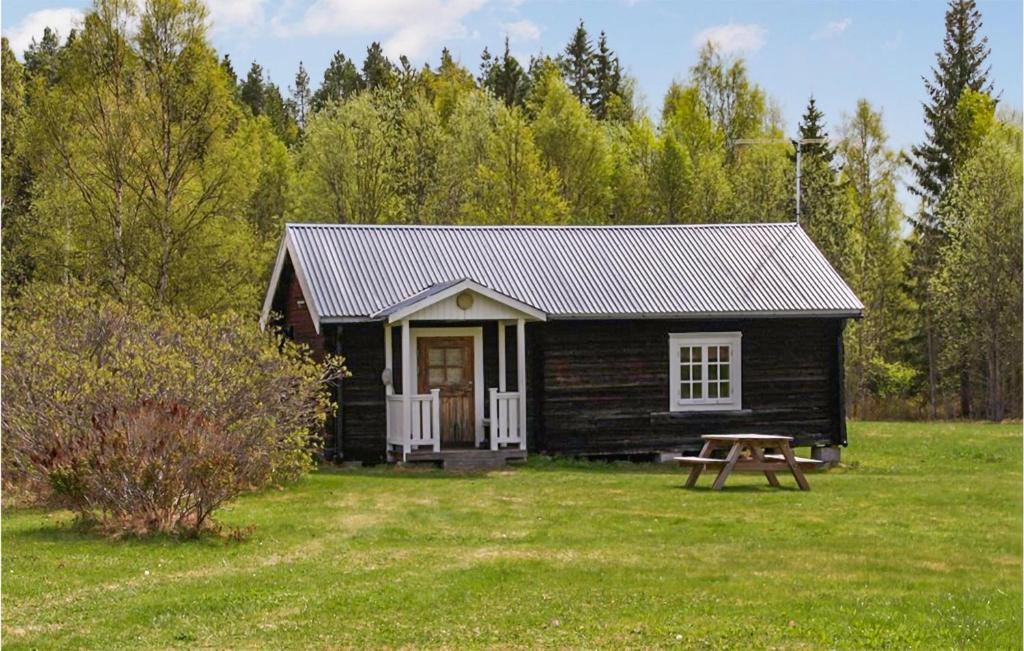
(388, 471)
(65, 528)
(745, 488)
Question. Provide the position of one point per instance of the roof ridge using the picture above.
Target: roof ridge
(537, 226)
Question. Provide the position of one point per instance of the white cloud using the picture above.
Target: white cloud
(833, 29)
(522, 30)
(228, 15)
(32, 26)
(409, 27)
(893, 43)
(733, 38)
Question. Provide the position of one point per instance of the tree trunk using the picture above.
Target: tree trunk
(932, 374)
(965, 387)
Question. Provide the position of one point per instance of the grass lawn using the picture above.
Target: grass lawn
(917, 543)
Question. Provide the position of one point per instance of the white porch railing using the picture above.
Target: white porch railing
(424, 425)
(506, 428)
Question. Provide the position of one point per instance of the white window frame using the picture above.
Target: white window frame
(704, 339)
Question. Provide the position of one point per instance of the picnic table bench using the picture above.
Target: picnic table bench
(757, 461)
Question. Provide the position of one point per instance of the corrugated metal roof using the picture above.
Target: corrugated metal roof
(354, 271)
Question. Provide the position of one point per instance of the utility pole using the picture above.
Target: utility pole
(799, 143)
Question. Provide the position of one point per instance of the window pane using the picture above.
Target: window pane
(454, 374)
(696, 350)
(697, 373)
(453, 356)
(684, 390)
(684, 354)
(697, 391)
(684, 372)
(435, 376)
(712, 389)
(712, 371)
(724, 371)
(725, 390)
(712, 353)
(723, 353)
(435, 356)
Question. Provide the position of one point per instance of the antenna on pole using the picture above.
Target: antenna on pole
(799, 142)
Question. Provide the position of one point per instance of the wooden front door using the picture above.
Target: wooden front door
(446, 363)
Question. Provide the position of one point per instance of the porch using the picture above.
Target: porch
(439, 408)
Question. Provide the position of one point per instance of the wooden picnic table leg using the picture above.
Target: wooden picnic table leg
(798, 474)
(730, 463)
(758, 453)
(695, 471)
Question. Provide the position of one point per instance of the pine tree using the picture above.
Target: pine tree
(229, 71)
(960, 65)
(341, 81)
(822, 212)
(378, 71)
(578, 65)
(607, 79)
(504, 77)
(41, 56)
(301, 95)
(250, 92)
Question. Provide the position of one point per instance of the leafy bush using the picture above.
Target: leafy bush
(891, 379)
(149, 420)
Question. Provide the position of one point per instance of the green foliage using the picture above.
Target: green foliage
(448, 85)
(633, 155)
(891, 379)
(514, 185)
(142, 176)
(17, 178)
(463, 150)
(378, 71)
(978, 288)
(572, 143)
(577, 64)
(341, 80)
(149, 420)
(735, 106)
(504, 77)
(959, 66)
(877, 255)
(347, 170)
(824, 213)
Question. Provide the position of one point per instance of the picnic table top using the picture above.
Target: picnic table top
(745, 437)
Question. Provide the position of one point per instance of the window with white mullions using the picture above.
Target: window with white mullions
(705, 371)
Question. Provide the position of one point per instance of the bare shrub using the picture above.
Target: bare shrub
(150, 420)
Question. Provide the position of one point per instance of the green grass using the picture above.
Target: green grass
(917, 543)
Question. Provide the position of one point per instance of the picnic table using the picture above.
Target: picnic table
(754, 461)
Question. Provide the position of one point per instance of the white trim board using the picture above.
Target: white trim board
(287, 250)
(477, 333)
(732, 339)
(409, 310)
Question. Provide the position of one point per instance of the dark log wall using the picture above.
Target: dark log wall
(363, 419)
(601, 387)
(605, 385)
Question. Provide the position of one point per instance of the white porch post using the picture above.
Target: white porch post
(501, 357)
(388, 361)
(521, 378)
(389, 389)
(407, 387)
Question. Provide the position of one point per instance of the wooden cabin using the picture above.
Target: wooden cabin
(566, 340)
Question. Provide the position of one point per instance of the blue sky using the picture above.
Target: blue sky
(839, 51)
